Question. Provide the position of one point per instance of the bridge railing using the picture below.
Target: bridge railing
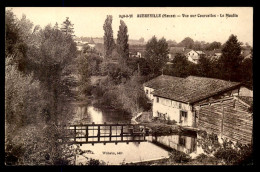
(105, 133)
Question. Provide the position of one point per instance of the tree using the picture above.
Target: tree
(180, 66)
(56, 26)
(187, 42)
(204, 66)
(246, 71)
(213, 45)
(141, 40)
(122, 41)
(156, 54)
(67, 27)
(171, 43)
(231, 59)
(109, 43)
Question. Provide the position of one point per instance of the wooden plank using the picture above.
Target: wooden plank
(238, 134)
(239, 120)
(206, 126)
(238, 112)
(238, 138)
(237, 129)
(236, 115)
(223, 114)
(210, 120)
(233, 134)
(211, 113)
(95, 142)
(238, 124)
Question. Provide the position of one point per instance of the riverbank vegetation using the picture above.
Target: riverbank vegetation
(38, 64)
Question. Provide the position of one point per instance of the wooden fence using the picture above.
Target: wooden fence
(227, 118)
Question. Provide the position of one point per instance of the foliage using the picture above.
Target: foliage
(187, 42)
(156, 54)
(109, 43)
(204, 66)
(179, 157)
(131, 99)
(160, 128)
(204, 159)
(37, 91)
(67, 27)
(20, 107)
(212, 46)
(181, 67)
(231, 59)
(122, 41)
(84, 75)
(228, 152)
(246, 71)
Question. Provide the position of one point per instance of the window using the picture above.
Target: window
(157, 99)
(146, 91)
(182, 141)
(183, 114)
(179, 105)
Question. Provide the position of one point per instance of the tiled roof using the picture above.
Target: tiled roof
(175, 50)
(187, 50)
(212, 52)
(190, 89)
(162, 81)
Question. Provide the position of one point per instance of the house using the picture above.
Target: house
(193, 56)
(214, 54)
(173, 51)
(175, 98)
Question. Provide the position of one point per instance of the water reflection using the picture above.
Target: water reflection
(89, 114)
(95, 114)
(116, 154)
(186, 144)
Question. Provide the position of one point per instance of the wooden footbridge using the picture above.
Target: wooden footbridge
(104, 133)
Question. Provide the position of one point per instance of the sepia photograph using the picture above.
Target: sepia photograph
(128, 86)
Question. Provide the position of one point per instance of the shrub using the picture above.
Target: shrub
(179, 157)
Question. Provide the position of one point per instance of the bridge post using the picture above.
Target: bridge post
(122, 129)
(98, 135)
(110, 133)
(75, 133)
(86, 133)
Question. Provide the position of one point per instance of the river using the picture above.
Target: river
(116, 154)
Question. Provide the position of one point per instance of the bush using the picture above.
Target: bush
(179, 157)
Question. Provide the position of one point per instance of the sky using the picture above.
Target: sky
(88, 21)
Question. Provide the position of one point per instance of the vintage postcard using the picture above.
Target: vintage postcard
(128, 86)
